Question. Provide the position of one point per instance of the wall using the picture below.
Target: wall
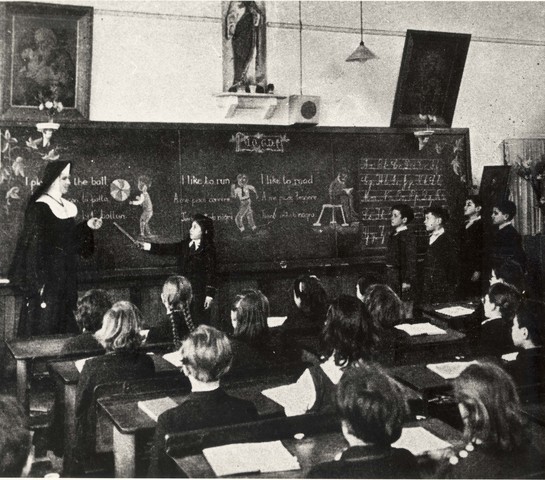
(161, 61)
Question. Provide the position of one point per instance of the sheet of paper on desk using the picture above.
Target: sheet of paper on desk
(456, 311)
(174, 357)
(285, 395)
(449, 370)
(250, 457)
(419, 440)
(80, 363)
(414, 329)
(273, 322)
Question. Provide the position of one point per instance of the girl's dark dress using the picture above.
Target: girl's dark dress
(199, 267)
(46, 256)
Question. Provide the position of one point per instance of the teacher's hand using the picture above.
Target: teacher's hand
(208, 302)
(94, 223)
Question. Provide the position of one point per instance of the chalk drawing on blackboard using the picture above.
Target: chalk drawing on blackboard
(242, 191)
(120, 190)
(341, 201)
(144, 199)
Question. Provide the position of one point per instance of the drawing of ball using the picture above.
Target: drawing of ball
(120, 190)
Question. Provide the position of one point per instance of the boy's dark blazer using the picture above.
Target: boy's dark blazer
(401, 258)
(199, 410)
(440, 271)
(369, 462)
(507, 244)
(471, 257)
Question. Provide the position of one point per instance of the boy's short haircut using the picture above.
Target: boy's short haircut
(476, 199)
(530, 316)
(507, 207)
(207, 353)
(405, 210)
(438, 212)
(15, 438)
(371, 404)
(510, 272)
(506, 298)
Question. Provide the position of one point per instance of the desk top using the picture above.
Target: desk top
(43, 347)
(127, 417)
(310, 451)
(420, 378)
(66, 370)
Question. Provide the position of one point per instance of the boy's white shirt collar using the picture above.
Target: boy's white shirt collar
(503, 225)
(197, 243)
(471, 221)
(436, 234)
(401, 228)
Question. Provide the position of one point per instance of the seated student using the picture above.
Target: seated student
(344, 340)
(206, 356)
(15, 439)
(365, 281)
(176, 297)
(493, 424)
(385, 310)
(90, 310)
(471, 250)
(310, 299)
(251, 341)
(508, 272)
(528, 335)
(506, 242)
(500, 304)
(401, 255)
(440, 264)
(120, 337)
(372, 409)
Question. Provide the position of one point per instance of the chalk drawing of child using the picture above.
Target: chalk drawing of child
(144, 199)
(242, 190)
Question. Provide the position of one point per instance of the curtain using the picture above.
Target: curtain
(529, 219)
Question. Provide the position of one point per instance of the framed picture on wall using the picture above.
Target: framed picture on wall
(494, 186)
(429, 78)
(45, 56)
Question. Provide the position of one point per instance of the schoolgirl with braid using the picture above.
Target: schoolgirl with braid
(176, 297)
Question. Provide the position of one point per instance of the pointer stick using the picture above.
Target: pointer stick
(125, 233)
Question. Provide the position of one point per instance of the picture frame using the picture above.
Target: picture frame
(429, 78)
(46, 53)
(494, 186)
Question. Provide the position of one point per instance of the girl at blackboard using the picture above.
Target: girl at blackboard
(45, 260)
(196, 262)
(401, 256)
(176, 297)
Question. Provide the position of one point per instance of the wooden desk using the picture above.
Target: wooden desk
(66, 376)
(462, 323)
(309, 451)
(132, 427)
(27, 350)
(421, 379)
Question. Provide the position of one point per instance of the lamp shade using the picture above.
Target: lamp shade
(361, 54)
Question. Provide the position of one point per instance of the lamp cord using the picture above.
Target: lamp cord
(361, 21)
(300, 51)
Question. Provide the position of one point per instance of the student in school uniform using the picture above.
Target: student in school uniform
(401, 255)
(385, 312)
(197, 262)
(506, 242)
(500, 305)
(91, 308)
(372, 409)
(365, 281)
(120, 337)
(176, 297)
(471, 250)
(310, 300)
(15, 439)
(493, 425)
(528, 335)
(508, 272)
(344, 340)
(206, 356)
(440, 264)
(251, 340)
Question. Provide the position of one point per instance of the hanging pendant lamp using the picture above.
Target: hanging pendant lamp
(362, 53)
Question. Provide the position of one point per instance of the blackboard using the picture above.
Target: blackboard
(197, 169)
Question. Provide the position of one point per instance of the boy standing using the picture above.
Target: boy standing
(440, 271)
(506, 241)
(401, 256)
(471, 249)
